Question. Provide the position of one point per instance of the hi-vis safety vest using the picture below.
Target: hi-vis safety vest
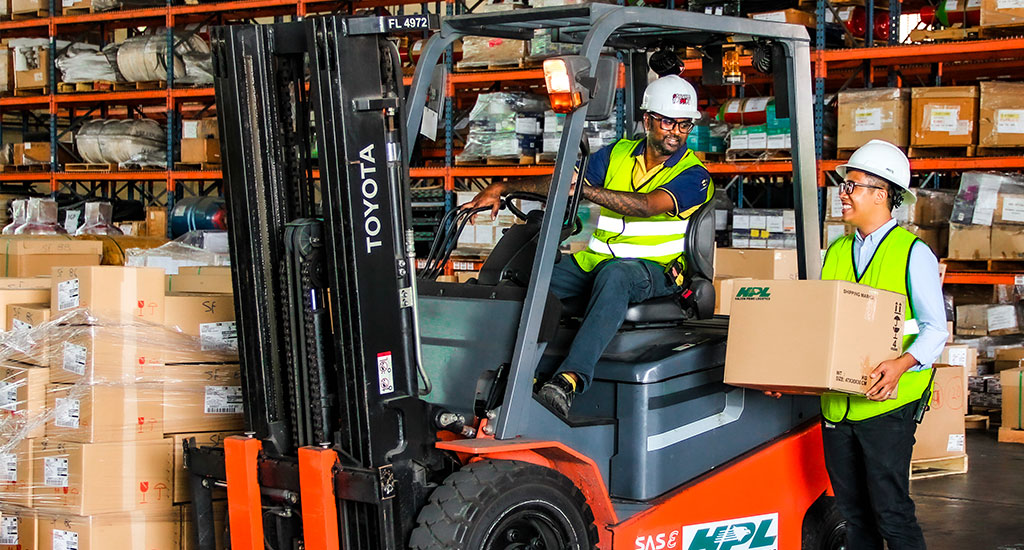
(659, 238)
(887, 270)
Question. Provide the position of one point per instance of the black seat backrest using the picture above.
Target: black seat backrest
(700, 243)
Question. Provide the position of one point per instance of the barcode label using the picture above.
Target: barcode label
(8, 468)
(67, 294)
(223, 400)
(55, 473)
(214, 336)
(68, 411)
(65, 540)
(9, 531)
(8, 396)
(74, 358)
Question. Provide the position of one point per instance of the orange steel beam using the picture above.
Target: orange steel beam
(928, 53)
(245, 508)
(319, 505)
(968, 278)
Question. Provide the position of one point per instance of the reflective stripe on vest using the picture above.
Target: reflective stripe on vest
(660, 238)
(887, 270)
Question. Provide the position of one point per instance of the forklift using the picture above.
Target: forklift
(386, 410)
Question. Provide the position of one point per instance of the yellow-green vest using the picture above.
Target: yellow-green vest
(659, 238)
(887, 270)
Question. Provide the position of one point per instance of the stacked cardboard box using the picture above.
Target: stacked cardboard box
(200, 141)
(1012, 390)
(1001, 120)
(763, 228)
(998, 13)
(833, 227)
(878, 113)
(734, 267)
(945, 116)
(987, 220)
(928, 218)
(34, 256)
(941, 433)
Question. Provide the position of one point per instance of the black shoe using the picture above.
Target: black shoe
(557, 394)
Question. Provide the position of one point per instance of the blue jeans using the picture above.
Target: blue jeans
(612, 285)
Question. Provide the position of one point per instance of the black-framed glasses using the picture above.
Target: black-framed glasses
(669, 124)
(849, 186)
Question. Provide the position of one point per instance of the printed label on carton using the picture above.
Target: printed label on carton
(67, 413)
(9, 531)
(835, 202)
(223, 400)
(1013, 209)
(1009, 4)
(55, 471)
(67, 294)
(944, 119)
(973, 3)
(8, 468)
(773, 16)
(214, 336)
(74, 358)
(18, 324)
(755, 104)
(955, 443)
(65, 540)
(1010, 121)
(8, 396)
(958, 357)
(867, 119)
(985, 205)
(1002, 317)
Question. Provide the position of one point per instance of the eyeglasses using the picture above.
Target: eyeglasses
(669, 124)
(849, 186)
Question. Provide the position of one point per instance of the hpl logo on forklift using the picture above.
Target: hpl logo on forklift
(751, 533)
(753, 293)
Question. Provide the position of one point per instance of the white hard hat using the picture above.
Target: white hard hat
(884, 160)
(671, 96)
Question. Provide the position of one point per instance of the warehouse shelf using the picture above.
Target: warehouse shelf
(978, 278)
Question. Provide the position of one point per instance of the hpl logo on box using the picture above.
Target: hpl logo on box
(751, 533)
(753, 293)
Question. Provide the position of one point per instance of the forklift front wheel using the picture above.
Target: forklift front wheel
(824, 527)
(505, 505)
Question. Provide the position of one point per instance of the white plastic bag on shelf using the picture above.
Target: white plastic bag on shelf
(143, 58)
(121, 141)
(98, 220)
(195, 248)
(41, 219)
(86, 63)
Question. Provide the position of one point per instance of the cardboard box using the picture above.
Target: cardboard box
(104, 413)
(200, 128)
(207, 270)
(944, 116)
(959, 355)
(1001, 12)
(970, 242)
(34, 256)
(832, 231)
(187, 533)
(210, 317)
(99, 478)
(1007, 359)
(131, 531)
(29, 6)
(110, 292)
(16, 476)
(937, 238)
(38, 152)
(215, 405)
(1009, 209)
(26, 316)
(181, 490)
(756, 264)
(793, 16)
(1007, 242)
(972, 320)
(156, 221)
(199, 284)
(878, 113)
(32, 64)
(480, 51)
(200, 150)
(19, 531)
(10, 296)
(1013, 413)
(835, 334)
(23, 399)
(1001, 120)
(941, 433)
(725, 289)
(833, 204)
(932, 208)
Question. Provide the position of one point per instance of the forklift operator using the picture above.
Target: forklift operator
(868, 441)
(647, 189)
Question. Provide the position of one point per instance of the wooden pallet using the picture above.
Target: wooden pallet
(80, 10)
(90, 167)
(28, 92)
(976, 422)
(1000, 151)
(938, 467)
(524, 160)
(37, 14)
(757, 156)
(140, 86)
(1009, 435)
(997, 266)
(943, 35)
(1001, 31)
(81, 87)
(942, 152)
(196, 166)
(477, 67)
(26, 167)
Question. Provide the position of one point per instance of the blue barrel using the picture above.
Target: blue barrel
(195, 213)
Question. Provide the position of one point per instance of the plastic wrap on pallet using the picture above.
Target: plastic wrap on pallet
(143, 58)
(484, 51)
(120, 141)
(19, 212)
(87, 63)
(40, 219)
(174, 255)
(978, 199)
(108, 5)
(504, 126)
(543, 46)
(99, 217)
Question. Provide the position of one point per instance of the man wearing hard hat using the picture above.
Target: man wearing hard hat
(868, 440)
(647, 189)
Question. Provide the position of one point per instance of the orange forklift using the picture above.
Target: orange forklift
(387, 410)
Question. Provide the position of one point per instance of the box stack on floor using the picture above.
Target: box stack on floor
(105, 371)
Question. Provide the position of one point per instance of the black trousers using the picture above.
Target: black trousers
(868, 463)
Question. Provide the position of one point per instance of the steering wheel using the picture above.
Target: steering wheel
(509, 203)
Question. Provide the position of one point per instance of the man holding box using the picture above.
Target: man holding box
(868, 440)
(647, 189)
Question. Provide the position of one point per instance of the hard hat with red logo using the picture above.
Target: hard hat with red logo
(671, 96)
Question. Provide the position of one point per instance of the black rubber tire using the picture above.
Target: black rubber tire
(824, 527)
(487, 503)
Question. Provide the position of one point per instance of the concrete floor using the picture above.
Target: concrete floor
(980, 510)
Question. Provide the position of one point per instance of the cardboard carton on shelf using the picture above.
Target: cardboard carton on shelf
(213, 405)
(756, 264)
(209, 317)
(200, 151)
(110, 292)
(128, 531)
(16, 475)
(832, 231)
(100, 478)
(972, 320)
(19, 530)
(1012, 381)
(932, 208)
(725, 289)
(944, 116)
(181, 490)
(200, 128)
(104, 413)
(1007, 359)
(970, 242)
(38, 152)
(959, 355)
(792, 16)
(836, 333)
(206, 283)
(10, 297)
(878, 113)
(937, 238)
(1000, 119)
(941, 433)
(997, 13)
(156, 221)
(1009, 209)
(23, 399)
(26, 316)
(1007, 242)
(34, 256)
(31, 64)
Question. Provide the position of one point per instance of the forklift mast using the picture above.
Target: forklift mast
(325, 371)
